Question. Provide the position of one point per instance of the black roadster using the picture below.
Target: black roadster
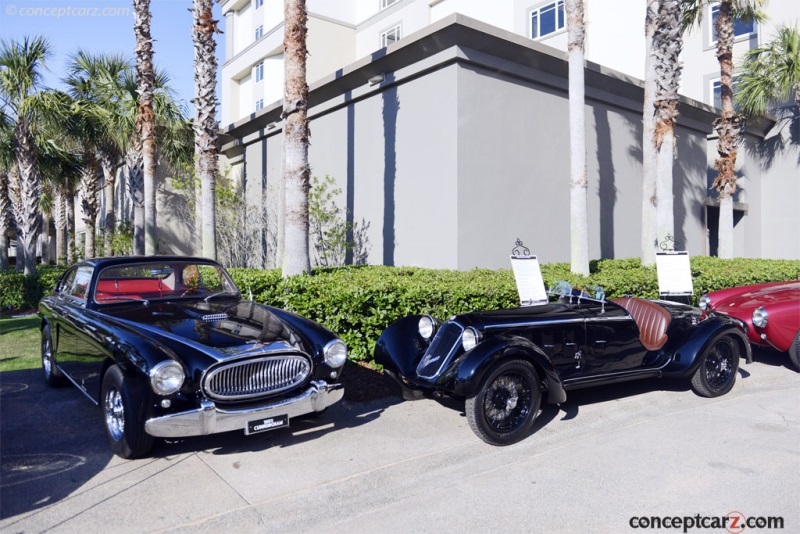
(502, 362)
(168, 348)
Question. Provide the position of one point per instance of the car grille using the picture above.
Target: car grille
(256, 378)
(440, 351)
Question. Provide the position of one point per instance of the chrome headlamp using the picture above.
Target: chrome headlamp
(704, 303)
(426, 327)
(470, 338)
(760, 317)
(335, 353)
(167, 377)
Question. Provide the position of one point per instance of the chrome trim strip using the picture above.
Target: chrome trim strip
(209, 419)
(552, 322)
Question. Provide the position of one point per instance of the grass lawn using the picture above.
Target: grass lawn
(19, 343)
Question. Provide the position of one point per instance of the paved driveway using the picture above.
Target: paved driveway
(640, 449)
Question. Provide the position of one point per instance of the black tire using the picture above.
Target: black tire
(52, 374)
(124, 412)
(794, 351)
(504, 408)
(717, 371)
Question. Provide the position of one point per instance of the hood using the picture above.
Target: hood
(519, 316)
(751, 297)
(222, 326)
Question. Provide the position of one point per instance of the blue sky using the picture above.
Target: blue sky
(106, 26)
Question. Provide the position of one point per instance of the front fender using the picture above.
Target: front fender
(688, 355)
(400, 347)
(469, 370)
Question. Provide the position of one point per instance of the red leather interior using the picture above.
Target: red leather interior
(129, 287)
(651, 319)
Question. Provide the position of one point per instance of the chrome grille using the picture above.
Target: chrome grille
(257, 377)
(440, 351)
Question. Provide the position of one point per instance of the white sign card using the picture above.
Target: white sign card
(674, 273)
(530, 284)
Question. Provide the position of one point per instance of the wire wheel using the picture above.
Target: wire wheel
(717, 372)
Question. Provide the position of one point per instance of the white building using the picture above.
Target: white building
(343, 31)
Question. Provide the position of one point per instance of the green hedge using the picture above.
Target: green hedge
(359, 302)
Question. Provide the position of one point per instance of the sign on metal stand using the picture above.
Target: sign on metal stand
(674, 273)
(528, 275)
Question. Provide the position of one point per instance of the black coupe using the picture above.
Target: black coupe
(502, 362)
(168, 348)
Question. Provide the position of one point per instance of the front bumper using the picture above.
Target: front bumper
(208, 419)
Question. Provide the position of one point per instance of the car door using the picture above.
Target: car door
(613, 344)
(80, 354)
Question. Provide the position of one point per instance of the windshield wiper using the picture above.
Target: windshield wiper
(218, 293)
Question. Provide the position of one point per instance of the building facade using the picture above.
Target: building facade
(445, 125)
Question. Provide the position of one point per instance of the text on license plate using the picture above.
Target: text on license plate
(268, 423)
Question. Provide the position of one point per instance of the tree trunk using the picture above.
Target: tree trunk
(205, 124)
(649, 160)
(296, 171)
(26, 209)
(60, 216)
(729, 128)
(5, 220)
(109, 217)
(71, 238)
(89, 201)
(145, 118)
(133, 164)
(668, 41)
(578, 183)
(45, 238)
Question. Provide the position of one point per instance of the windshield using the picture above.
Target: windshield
(162, 280)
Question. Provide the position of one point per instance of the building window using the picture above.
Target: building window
(386, 3)
(259, 104)
(259, 72)
(259, 32)
(258, 3)
(716, 91)
(390, 36)
(547, 19)
(740, 27)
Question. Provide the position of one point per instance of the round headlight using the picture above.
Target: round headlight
(426, 327)
(335, 353)
(704, 303)
(760, 317)
(470, 338)
(166, 377)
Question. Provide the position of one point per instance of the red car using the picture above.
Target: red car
(771, 312)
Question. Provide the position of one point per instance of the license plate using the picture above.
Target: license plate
(268, 423)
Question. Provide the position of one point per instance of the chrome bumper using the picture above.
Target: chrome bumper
(208, 419)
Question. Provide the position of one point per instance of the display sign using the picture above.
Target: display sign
(530, 284)
(674, 273)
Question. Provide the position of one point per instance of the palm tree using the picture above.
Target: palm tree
(145, 118)
(667, 42)
(205, 124)
(28, 107)
(729, 124)
(296, 171)
(6, 162)
(649, 159)
(770, 75)
(578, 184)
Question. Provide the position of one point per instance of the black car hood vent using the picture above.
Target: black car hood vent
(211, 317)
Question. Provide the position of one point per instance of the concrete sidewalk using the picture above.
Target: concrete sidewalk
(640, 449)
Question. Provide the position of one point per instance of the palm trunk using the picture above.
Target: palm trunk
(60, 216)
(649, 160)
(145, 118)
(668, 40)
(729, 128)
(5, 220)
(205, 124)
(71, 245)
(45, 237)
(133, 163)
(89, 201)
(26, 209)
(296, 170)
(110, 221)
(578, 184)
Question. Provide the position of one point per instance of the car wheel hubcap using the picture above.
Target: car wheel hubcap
(507, 402)
(115, 413)
(719, 365)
